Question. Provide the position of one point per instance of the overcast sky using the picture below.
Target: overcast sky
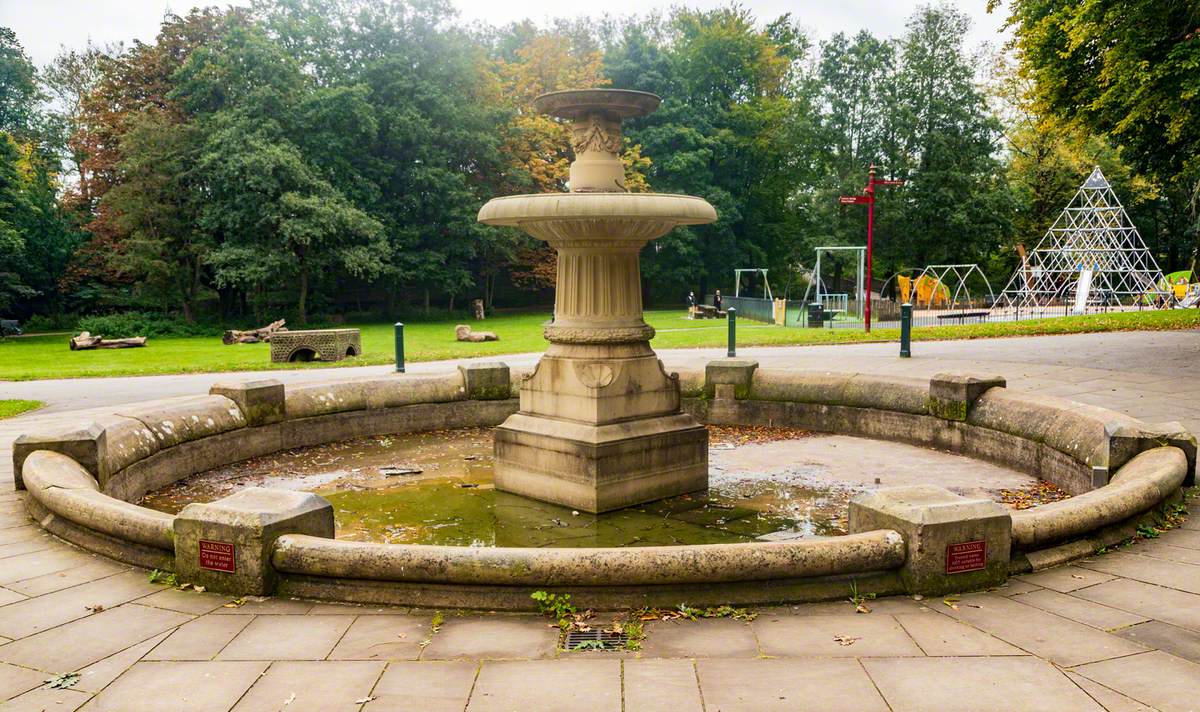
(43, 26)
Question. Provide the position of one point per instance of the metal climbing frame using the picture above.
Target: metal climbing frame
(1092, 256)
(838, 302)
(960, 297)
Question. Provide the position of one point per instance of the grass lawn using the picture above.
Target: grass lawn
(9, 408)
(38, 357)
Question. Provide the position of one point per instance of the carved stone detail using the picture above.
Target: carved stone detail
(596, 135)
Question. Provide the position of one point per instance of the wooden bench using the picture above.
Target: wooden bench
(963, 316)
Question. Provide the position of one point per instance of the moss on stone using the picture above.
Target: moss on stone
(947, 410)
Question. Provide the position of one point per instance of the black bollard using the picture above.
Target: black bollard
(731, 316)
(399, 347)
(905, 331)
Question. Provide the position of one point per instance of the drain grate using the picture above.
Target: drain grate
(595, 640)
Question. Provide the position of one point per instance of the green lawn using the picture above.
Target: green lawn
(48, 356)
(9, 408)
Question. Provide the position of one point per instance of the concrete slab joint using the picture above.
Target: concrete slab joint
(226, 545)
(952, 543)
(951, 395)
(729, 377)
(486, 381)
(261, 402)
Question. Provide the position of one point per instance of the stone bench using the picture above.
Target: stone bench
(315, 345)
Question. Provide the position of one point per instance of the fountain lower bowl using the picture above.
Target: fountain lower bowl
(631, 217)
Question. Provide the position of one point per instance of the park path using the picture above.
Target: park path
(1118, 632)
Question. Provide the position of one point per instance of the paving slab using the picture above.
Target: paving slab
(27, 617)
(1013, 587)
(48, 583)
(46, 700)
(1157, 679)
(85, 641)
(254, 605)
(200, 639)
(1065, 579)
(1046, 635)
(383, 637)
(424, 686)
(938, 635)
(39, 563)
(7, 596)
(493, 638)
(661, 686)
(716, 638)
(1079, 610)
(819, 685)
(98, 675)
(287, 637)
(808, 636)
(1179, 642)
(548, 686)
(1185, 538)
(975, 684)
(1160, 549)
(1109, 699)
(193, 602)
(1172, 574)
(305, 686)
(191, 686)
(1164, 604)
(26, 546)
(26, 532)
(15, 680)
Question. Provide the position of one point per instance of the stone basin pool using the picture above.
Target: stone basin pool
(436, 488)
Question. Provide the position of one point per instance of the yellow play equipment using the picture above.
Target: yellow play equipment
(929, 292)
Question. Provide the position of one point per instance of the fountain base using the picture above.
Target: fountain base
(599, 468)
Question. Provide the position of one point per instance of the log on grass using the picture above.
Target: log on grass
(253, 336)
(86, 342)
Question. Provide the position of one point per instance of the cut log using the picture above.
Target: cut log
(462, 332)
(86, 342)
(253, 336)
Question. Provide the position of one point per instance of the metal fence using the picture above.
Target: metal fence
(885, 313)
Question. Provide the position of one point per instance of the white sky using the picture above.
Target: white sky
(43, 26)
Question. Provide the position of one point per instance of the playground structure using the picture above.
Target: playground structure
(1091, 258)
(839, 304)
(951, 293)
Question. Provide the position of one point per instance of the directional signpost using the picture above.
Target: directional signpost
(868, 197)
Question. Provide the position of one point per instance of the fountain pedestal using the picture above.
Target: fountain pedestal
(600, 426)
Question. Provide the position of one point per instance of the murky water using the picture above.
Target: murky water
(436, 488)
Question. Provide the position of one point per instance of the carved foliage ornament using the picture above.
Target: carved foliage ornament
(592, 135)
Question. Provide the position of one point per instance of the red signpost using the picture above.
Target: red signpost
(868, 197)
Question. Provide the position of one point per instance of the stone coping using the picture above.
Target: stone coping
(651, 565)
(81, 478)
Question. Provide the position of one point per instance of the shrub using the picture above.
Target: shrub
(125, 324)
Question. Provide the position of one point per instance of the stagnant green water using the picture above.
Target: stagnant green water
(436, 488)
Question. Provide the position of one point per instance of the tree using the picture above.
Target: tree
(18, 86)
(1120, 68)
(14, 208)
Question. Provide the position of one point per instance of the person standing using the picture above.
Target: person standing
(717, 300)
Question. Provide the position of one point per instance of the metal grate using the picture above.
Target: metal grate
(608, 640)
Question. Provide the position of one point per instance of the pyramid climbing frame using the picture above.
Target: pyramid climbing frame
(1092, 256)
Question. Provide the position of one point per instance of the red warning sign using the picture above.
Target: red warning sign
(966, 556)
(217, 556)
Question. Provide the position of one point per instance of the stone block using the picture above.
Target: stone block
(486, 381)
(261, 402)
(1124, 441)
(86, 445)
(226, 545)
(736, 372)
(951, 395)
(952, 543)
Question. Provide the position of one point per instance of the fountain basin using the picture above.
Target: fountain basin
(82, 478)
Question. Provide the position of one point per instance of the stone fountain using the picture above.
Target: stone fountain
(599, 426)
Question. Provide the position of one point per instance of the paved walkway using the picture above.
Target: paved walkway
(1116, 632)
